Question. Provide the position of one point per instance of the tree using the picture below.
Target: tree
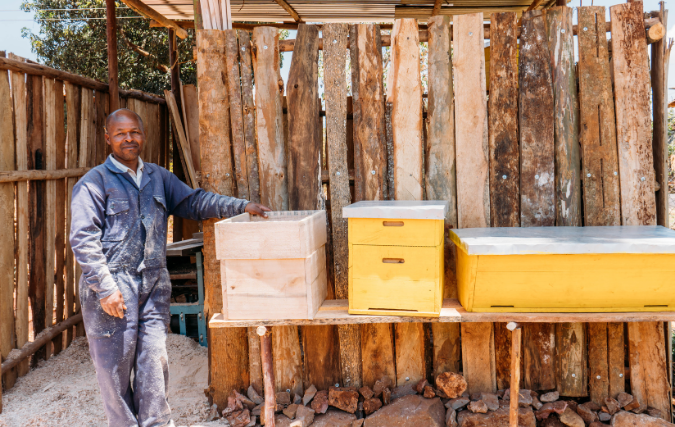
(75, 41)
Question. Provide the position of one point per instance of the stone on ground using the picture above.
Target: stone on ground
(624, 399)
(498, 418)
(320, 402)
(371, 405)
(491, 400)
(457, 403)
(587, 412)
(309, 395)
(572, 419)
(334, 418)
(548, 408)
(345, 398)
(366, 392)
(290, 410)
(253, 395)
(451, 418)
(478, 406)
(409, 411)
(551, 396)
(626, 419)
(612, 405)
(452, 384)
(381, 384)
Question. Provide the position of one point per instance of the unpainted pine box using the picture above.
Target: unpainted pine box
(396, 257)
(274, 268)
(566, 269)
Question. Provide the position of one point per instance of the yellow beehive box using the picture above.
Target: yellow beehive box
(272, 268)
(396, 257)
(566, 269)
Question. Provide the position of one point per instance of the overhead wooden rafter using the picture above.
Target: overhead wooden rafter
(288, 8)
(151, 13)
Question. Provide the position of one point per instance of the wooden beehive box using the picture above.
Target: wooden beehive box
(272, 268)
(396, 257)
(566, 269)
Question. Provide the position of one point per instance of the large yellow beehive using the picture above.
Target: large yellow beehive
(566, 269)
(396, 257)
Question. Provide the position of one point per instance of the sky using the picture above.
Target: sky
(12, 20)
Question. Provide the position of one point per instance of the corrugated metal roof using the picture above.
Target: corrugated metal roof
(340, 10)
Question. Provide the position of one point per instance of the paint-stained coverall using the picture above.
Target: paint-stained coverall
(118, 235)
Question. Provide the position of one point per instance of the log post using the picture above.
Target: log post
(515, 372)
(659, 74)
(111, 33)
(268, 374)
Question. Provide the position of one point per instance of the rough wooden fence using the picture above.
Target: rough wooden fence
(528, 157)
(51, 132)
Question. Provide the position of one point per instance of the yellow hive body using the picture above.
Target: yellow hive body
(396, 258)
(566, 269)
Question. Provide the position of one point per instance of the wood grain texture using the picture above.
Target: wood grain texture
(648, 367)
(246, 70)
(503, 122)
(473, 200)
(410, 357)
(228, 348)
(502, 355)
(660, 56)
(368, 110)
(516, 340)
(60, 208)
(185, 152)
(617, 358)
(539, 356)
(73, 104)
(7, 327)
(304, 147)
(50, 202)
(269, 124)
(288, 368)
(36, 160)
(566, 115)
(191, 109)
(254, 360)
(377, 348)
(478, 357)
(598, 366)
(406, 115)
(537, 168)
(597, 133)
(236, 113)
(571, 363)
(633, 118)
(335, 81)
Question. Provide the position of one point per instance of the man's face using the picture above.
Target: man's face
(125, 136)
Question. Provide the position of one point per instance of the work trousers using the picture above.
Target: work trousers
(137, 342)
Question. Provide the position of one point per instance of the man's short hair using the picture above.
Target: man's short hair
(123, 111)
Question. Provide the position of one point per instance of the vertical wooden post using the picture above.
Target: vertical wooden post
(50, 205)
(248, 105)
(659, 70)
(268, 374)
(60, 217)
(7, 333)
(515, 373)
(111, 33)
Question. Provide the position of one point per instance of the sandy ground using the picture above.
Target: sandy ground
(63, 391)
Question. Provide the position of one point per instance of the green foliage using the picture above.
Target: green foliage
(68, 42)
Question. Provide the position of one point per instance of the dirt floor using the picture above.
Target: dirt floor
(63, 391)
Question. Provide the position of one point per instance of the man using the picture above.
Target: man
(118, 234)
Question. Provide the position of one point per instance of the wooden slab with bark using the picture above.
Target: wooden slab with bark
(73, 104)
(229, 349)
(478, 357)
(246, 70)
(597, 133)
(660, 57)
(571, 359)
(616, 358)
(633, 114)
(473, 198)
(503, 121)
(503, 343)
(539, 356)
(535, 117)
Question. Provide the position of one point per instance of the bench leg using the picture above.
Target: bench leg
(515, 372)
(268, 374)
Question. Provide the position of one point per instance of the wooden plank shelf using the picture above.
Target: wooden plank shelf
(334, 312)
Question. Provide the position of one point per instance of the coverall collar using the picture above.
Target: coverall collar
(113, 168)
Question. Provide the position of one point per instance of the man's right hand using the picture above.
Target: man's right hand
(114, 304)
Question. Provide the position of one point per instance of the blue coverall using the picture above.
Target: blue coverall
(118, 235)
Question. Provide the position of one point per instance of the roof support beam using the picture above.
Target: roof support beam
(288, 8)
(437, 7)
(151, 13)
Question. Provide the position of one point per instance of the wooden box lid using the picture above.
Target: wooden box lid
(565, 240)
(282, 235)
(397, 209)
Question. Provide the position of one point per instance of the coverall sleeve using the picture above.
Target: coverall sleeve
(86, 229)
(197, 204)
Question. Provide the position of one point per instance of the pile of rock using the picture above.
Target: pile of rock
(445, 404)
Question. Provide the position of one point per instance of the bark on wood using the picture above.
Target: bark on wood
(566, 116)
(515, 377)
(655, 29)
(473, 200)
(268, 369)
(537, 169)
(377, 348)
(503, 118)
(191, 108)
(7, 331)
(335, 81)
(633, 121)
(255, 362)
(36, 159)
(269, 124)
(229, 347)
(368, 107)
(570, 341)
(73, 104)
(102, 149)
(410, 357)
(660, 54)
(246, 69)
(50, 202)
(236, 112)
(59, 218)
(539, 356)
(598, 366)
(441, 175)
(287, 359)
(478, 357)
(406, 111)
(502, 355)
(648, 367)
(42, 175)
(597, 125)
(617, 358)
(185, 153)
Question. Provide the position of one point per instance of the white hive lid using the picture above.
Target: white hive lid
(397, 209)
(565, 240)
